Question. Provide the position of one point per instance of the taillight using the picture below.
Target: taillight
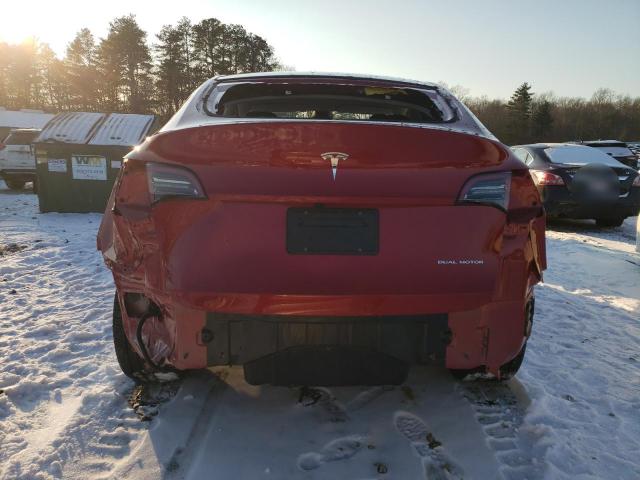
(636, 182)
(543, 178)
(487, 189)
(171, 181)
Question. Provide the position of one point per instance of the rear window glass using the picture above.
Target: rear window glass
(521, 153)
(21, 138)
(579, 155)
(317, 101)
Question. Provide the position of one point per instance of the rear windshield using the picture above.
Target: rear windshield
(317, 101)
(20, 138)
(579, 155)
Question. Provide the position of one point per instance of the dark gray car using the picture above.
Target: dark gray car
(576, 181)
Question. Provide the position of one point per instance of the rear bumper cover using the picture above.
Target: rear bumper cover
(239, 339)
(231, 294)
(289, 350)
(294, 350)
(338, 349)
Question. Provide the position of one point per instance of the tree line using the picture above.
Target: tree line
(125, 72)
(530, 118)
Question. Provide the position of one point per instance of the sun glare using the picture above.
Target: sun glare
(20, 26)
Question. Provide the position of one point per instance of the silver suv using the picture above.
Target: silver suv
(17, 159)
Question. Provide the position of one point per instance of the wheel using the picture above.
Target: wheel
(609, 222)
(14, 184)
(130, 363)
(509, 369)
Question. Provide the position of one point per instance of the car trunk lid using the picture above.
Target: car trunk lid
(329, 159)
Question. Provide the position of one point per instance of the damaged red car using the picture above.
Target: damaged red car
(323, 230)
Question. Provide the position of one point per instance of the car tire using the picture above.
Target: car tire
(609, 222)
(14, 184)
(130, 363)
(509, 369)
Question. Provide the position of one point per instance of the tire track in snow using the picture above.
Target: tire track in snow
(501, 415)
(186, 452)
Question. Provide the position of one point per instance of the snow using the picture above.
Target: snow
(92, 128)
(24, 118)
(571, 412)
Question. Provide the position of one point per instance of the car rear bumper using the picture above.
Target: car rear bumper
(325, 350)
(231, 294)
(338, 349)
(559, 202)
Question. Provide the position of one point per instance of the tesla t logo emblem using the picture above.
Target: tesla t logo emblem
(334, 158)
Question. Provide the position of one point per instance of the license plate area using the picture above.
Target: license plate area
(332, 231)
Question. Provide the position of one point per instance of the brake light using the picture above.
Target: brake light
(542, 178)
(636, 182)
(171, 181)
(487, 189)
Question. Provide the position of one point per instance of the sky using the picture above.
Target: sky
(569, 47)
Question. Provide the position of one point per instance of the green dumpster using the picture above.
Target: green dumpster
(79, 155)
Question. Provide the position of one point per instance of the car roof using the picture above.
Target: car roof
(323, 75)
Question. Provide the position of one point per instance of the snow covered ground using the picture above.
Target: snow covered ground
(573, 411)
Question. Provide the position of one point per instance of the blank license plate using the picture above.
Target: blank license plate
(337, 231)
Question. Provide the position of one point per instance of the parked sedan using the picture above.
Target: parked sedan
(576, 181)
(323, 229)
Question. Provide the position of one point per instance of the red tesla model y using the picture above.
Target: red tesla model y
(323, 229)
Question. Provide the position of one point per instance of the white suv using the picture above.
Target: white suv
(17, 159)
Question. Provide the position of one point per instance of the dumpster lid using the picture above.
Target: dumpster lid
(71, 127)
(92, 128)
(123, 129)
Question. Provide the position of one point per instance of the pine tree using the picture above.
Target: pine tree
(170, 68)
(541, 121)
(259, 56)
(209, 49)
(185, 28)
(221, 49)
(55, 80)
(81, 71)
(24, 80)
(125, 66)
(5, 50)
(519, 108)
(237, 48)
